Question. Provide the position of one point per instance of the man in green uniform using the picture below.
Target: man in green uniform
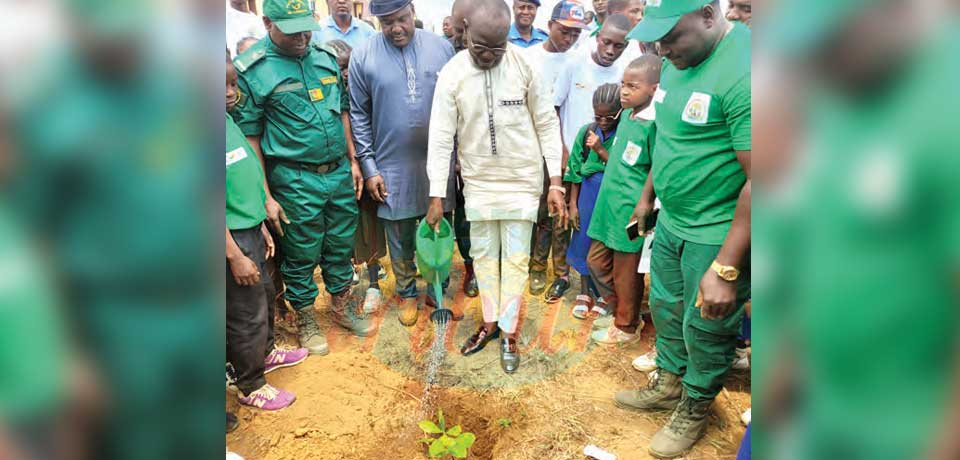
(700, 169)
(295, 113)
(871, 224)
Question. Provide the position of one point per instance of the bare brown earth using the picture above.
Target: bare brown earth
(364, 399)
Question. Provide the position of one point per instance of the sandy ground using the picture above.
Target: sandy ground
(364, 399)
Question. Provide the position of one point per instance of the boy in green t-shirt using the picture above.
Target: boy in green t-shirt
(250, 344)
(614, 257)
(585, 165)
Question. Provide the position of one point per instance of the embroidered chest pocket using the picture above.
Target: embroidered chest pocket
(510, 109)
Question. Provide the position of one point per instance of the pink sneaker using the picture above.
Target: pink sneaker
(284, 356)
(268, 398)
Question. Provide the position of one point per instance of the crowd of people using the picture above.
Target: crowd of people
(573, 144)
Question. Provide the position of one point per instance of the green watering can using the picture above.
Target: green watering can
(434, 255)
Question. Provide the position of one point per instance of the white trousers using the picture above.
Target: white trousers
(501, 255)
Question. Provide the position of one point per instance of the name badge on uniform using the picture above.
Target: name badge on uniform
(697, 109)
(236, 155)
(328, 80)
(316, 94)
(631, 153)
(659, 94)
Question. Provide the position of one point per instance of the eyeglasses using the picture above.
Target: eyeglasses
(608, 117)
(480, 49)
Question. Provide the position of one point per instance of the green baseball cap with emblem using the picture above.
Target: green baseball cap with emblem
(661, 16)
(291, 16)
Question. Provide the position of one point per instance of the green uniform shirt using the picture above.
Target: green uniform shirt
(703, 118)
(245, 195)
(874, 234)
(577, 167)
(623, 181)
(293, 103)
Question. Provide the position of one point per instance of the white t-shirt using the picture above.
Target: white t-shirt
(573, 91)
(547, 65)
(241, 25)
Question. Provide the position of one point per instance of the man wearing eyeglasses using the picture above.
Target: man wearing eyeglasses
(491, 100)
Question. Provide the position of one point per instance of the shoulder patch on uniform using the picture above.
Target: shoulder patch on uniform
(323, 47)
(249, 57)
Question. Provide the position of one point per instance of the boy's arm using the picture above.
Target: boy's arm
(249, 117)
(244, 270)
(352, 155)
(574, 209)
(275, 213)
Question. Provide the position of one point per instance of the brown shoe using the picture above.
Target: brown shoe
(408, 311)
(478, 340)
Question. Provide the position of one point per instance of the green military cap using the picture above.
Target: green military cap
(291, 16)
(661, 16)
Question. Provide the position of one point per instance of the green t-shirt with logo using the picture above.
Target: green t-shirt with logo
(577, 167)
(873, 231)
(703, 118)
(245, 195)
(626, 172)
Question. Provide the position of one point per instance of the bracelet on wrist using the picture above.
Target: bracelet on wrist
(559, 188)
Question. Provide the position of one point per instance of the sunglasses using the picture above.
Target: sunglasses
(608, 117)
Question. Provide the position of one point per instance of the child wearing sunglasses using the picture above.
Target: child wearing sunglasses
(585, 166)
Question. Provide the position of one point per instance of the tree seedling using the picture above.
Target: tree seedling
(453, 442)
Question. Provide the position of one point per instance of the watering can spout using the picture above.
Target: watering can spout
(434, 254)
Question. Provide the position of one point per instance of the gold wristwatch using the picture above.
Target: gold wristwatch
(726, 272)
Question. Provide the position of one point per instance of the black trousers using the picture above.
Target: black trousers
(250, 315)
(461, 226)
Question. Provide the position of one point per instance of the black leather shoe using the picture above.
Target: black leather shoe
(509, 355)
(557, 290)
(478, 340)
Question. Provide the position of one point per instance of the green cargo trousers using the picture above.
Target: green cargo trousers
(322, 210)
(699, 349)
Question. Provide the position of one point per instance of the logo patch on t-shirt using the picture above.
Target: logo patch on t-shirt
(697, 109)
(631, 153)
(653, 3)
(236, 155)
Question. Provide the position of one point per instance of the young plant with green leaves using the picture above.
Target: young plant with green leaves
(453, 442)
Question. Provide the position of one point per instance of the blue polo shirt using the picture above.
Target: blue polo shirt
(356, 36)
(538, 36)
